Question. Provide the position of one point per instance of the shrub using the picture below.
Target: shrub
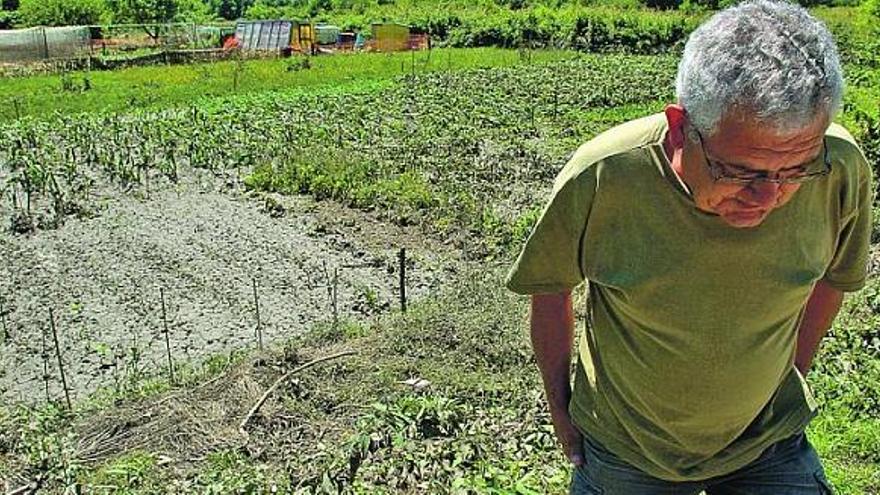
(9, 19)
(61, 12)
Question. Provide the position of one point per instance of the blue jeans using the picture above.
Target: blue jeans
(790, 467)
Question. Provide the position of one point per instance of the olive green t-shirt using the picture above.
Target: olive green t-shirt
(685, 369)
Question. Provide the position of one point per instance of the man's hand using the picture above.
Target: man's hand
(568, 436)
(822, 307)
(552, 332)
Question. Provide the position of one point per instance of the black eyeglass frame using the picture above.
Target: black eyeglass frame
(715, 170)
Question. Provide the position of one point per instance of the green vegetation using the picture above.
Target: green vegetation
(435, 148)
(163, 87)
(60, 12)
(466, 145)
(619, 25)
(143, 11)
(570, 25)
(461, 152)
(468, 149)
(351, 426)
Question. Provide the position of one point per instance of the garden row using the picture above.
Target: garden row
(462, 151)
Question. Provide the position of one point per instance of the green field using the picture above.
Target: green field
(165, 86)
(463, 146)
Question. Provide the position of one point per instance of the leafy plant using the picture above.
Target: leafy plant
(60, 12)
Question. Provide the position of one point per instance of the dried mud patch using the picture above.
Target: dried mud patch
(202, 248)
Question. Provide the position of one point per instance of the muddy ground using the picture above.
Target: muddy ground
(202, 242)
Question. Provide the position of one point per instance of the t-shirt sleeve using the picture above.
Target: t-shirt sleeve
(550, 260)
(848, 269)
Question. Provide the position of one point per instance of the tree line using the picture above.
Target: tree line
(26, 13)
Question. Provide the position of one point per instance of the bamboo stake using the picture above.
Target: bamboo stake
(167, 338)
(60, 362)
(259, 403)
(329, 283)
(45, 355)
(5, 334)
(259, 325)
(402, 258)
(555, 102)
(334, 297)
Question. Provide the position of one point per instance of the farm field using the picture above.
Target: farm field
(69, 92)
(388, 155)
(285, 186)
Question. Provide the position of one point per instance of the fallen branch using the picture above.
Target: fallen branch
(31, 488)
(20, 490)
(279, 381)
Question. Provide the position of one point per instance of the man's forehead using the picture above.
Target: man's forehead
(751, 145)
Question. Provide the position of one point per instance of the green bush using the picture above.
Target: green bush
(196, 11)
(550, 25)
(9, 19)
(580, 28)
(856, 31)
(143, 11)
(61, 12)
(229, 9)
(868, 134)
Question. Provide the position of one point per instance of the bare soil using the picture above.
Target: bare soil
(203, 243)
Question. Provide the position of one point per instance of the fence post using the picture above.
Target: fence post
(5, 334)
(167, 337)
(45, 45)
(45, 355)
(60, 361)
(402, 258)
(335, 297)
(259, 324)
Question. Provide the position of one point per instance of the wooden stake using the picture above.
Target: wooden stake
(555, 102)
(45, 44)
(5, 334)
(116, 381)
(60, 362)
(334, 297)
(167, 338)
(402, 258)
(45, 356)
(329, 283)
(532, 107)
(259, 326)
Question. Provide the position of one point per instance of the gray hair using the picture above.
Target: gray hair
(771, 59)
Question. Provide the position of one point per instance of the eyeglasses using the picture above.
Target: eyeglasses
(732, 174)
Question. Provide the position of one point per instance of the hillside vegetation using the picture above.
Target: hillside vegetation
(446, 397)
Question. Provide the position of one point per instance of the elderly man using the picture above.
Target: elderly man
(717, 240)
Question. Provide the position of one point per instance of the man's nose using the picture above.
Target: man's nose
(762, 193)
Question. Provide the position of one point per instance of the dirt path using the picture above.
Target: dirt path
(102, 277)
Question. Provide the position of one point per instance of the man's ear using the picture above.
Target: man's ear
(676, 118)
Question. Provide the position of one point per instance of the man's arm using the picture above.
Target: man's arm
(822, 306)
(552, 333)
